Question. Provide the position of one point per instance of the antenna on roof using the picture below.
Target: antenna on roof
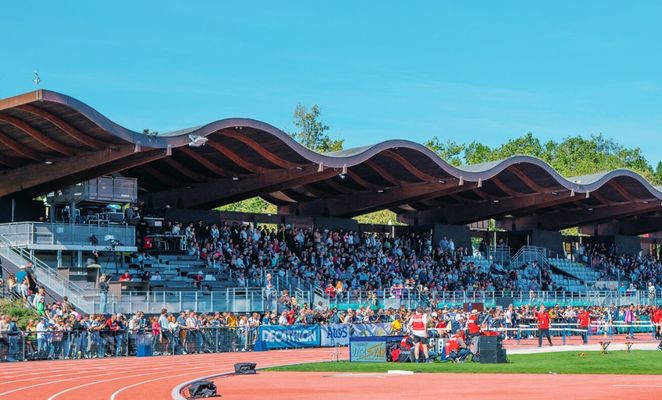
(36, 79)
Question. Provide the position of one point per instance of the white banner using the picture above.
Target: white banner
(339, 334)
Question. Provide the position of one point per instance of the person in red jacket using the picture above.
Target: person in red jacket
(543, 325)
(584, 320)
(657, 321)
(472, 323)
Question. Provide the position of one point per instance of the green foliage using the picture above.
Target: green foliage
(450, 151)
(658, 172)
(382, 217)
(572, 156)
(18, 310)
(254, 205)
(312, 133)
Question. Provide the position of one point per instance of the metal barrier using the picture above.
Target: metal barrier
(47, 275)
(413, 298)
(29, 234)
(238, 300)
(65, 345)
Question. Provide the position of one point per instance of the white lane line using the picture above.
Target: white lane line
(104, 374)
(175, 393)
(116, 393)
(118, 378)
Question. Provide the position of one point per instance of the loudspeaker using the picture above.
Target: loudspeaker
(493, 356)
(489, 343)
(201, 389)
(245, 368)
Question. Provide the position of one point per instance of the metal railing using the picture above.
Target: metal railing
(47, 275)
(29, 234)
(499, 254)
(529, 254)
(96, 343)
(411, 298)
(238, 300)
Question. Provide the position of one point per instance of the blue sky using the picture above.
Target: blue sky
(485, 71)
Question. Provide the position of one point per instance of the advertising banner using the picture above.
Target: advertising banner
(367, 351)
(370, 330)
(335, 335)
(339, 334)
(282, 337)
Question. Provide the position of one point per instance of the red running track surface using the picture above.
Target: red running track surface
(327, 385)
(150, 378)
(154, 378)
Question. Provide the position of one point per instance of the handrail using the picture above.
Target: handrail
(46, 274)
(46, 233)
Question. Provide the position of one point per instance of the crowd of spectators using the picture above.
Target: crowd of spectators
(636, 269)
(63, 332)
(345, 262)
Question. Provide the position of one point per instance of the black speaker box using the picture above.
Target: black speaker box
(493, 356)
(489, 343)
(200, 389)
(245, 368)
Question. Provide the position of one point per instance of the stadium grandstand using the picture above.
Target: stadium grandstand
(99, 220)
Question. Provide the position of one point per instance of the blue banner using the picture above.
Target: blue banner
(283, 337)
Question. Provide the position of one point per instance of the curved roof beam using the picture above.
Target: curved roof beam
(346, 158)
(64, 127)
(258, 148)
(21, 149)
(411, 168)
(236, 158)
(36, 135)
(184, 170)
(205, 162)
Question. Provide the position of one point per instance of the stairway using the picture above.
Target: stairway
(529, 254)
(47, 276)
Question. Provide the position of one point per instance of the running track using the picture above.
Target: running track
(130, 378)
(153, 378)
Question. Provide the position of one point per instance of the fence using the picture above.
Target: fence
(411, 298)
(64, 345)
(239, 300)
(242, 300)
(30, 234)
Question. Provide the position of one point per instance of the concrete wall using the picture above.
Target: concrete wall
(551, 240)
(460, 234)
(214, 216)
(23, 210)
(627, 244)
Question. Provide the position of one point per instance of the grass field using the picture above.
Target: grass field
(617, 362)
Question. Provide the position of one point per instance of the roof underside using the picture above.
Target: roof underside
(49, 140)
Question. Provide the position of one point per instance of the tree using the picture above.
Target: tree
(312, 132)
(476, 153)
(254, 205)
(382, 217)
(524, 145)
(449, 151)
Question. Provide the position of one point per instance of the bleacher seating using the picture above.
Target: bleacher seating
(177, 273)
(578, 270)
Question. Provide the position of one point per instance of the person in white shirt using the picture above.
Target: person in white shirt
(418, 324)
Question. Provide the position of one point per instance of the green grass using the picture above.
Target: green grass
(616, 362)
